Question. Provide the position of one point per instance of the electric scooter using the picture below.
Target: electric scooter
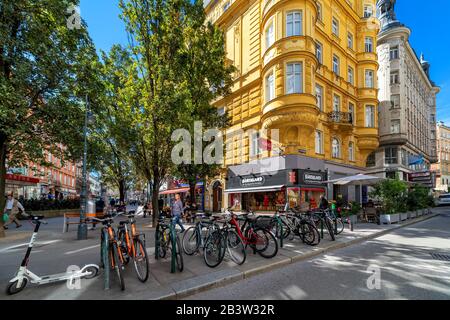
(19, 282)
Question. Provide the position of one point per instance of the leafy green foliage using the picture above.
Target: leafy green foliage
(392, 193)
(46, 70)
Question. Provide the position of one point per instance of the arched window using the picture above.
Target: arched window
(335, 148)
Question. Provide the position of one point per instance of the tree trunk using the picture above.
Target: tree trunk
(122, 190)
(2, 181)
(155, 196)
(192, 192)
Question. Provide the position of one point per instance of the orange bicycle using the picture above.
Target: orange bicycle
(132, 246)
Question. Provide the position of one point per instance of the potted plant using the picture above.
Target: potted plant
(353, 212)
(392, 195)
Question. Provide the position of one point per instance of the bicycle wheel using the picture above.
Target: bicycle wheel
(286, 230)
(141, 264)
(121, 239)
(308, 233)
(339, 225)
(179, 255)
(266, 244)
(235, 247)
(191, 241)
(329, 225)
(117, 264)
(162, 249)
(213, 253)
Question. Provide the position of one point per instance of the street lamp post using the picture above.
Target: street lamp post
(82, 227)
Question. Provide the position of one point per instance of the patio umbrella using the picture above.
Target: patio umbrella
(359, 179)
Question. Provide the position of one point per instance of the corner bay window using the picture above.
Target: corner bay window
(294, 78)
(294, 23)
(369, 79)
(270, 35)
(370, 116)
(270, 87)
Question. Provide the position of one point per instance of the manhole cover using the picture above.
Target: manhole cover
(440, 256)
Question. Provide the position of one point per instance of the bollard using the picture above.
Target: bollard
(173, 235)
(157, 242)
(105, 258)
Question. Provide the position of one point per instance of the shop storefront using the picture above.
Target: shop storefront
(22, 186)
(270, 191)
(169, 195)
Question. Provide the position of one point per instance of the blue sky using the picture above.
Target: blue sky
(430, 35)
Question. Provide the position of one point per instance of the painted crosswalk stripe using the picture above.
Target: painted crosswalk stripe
(82, 249)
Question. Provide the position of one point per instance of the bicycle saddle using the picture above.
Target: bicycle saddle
(123, 222)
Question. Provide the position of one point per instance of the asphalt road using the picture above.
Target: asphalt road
(398, 265)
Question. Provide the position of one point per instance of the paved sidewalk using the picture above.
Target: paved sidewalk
(54, 255)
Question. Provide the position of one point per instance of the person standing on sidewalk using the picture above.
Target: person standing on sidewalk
(12, 210)
(177, 211)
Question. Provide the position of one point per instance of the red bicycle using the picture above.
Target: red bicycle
(256, 233)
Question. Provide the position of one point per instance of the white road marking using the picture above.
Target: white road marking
(36, 244)
(82, 249)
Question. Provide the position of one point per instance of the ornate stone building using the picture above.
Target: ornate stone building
(306, 68)
(442, 167)
(407, 111)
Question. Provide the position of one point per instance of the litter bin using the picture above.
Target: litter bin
(91, 208)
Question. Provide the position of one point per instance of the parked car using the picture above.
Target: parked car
(443, 199)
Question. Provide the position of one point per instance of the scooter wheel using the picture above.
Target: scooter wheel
(93, 271)
(12, 287)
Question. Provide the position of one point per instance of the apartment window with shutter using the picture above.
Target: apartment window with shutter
(336, 103)
(368, 11)
(335, 148)
(369, 44)
(351, 76)
(351, 152)
(393, 53)
(350, 40)
(319, 142)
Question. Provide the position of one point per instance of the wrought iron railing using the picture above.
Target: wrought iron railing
(340, 117)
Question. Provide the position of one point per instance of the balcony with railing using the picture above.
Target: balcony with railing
(340, 121)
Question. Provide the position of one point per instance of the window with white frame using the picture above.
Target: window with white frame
(294, 23)
(319, 142)
(336, 103)
(351, 76)
(254, 144)
(335, 26)
(270, 34)
(270, 87)
(369, 79)
(395, 101)
(336, 64)
(319, 95)
(395, 77)
(395, 126)
(368, 11)
(351, 151)
(294, 78)
(368, 44)
(319, 52)
(393, 53)
(370, 116)
(335, 148)
(350, 40)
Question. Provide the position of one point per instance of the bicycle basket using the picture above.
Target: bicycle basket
(264, 222)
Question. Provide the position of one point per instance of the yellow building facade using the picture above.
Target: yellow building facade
(306, 68)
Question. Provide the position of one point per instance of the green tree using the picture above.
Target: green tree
(45, 67)
(108, 139)
(209, 76)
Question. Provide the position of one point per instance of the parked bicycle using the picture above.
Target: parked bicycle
(111, 256)
(168, 241)
(321, 218)
(132, 245)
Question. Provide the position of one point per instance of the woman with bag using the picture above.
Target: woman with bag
(12, 209)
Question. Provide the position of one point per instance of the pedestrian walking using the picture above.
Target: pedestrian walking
(177, 211)
(12, 209)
